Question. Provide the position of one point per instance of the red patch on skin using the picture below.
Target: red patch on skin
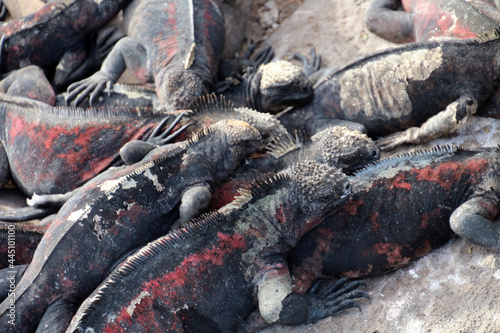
(351, 206)
(226, 193)
(71, 153)
(376, 225)
(446, 174)
(432, 21)
(398, 182)
(305, 274)
(280, 216)
(392, 252)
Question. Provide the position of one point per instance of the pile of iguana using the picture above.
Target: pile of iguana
(213, 269)
(118, 211)
(337, 146)
(416, 92)
(400, 209)
(76, 144)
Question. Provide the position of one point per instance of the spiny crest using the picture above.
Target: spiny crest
(286, 143)
(211, 103)
(446, 149)
(262, 185)
(134, 88)
(200, 134)
(280, 71)
(487, 36)
(100, 112)
(317, 180)
(240, 200)
(267, 124)
(340, 141)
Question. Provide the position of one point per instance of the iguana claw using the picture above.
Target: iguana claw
(392, 141)
(92, 86)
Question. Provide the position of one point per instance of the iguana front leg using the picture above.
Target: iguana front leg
(195, 201)
(386, 20)
(127, 54)
(473, 221)
(436, 126)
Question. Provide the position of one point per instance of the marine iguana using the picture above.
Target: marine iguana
(428, 196)
(403, 21)
(434, 85)
(104, 136)
(175, 44)
(423, 20)
(401, 208)
(118, 211)
(213, 270)
(43, 37)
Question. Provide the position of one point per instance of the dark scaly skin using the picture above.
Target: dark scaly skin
(117, 212)
(433, 85)
(42, 38)
(55, 150)
(419, 20)
(237, 250)
(401, 209)
(337, 146)
(175, 44)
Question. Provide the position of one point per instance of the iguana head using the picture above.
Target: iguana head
(337, 146)
(316, 190)
(223, 147)
(178, 89)
(282, 84)
(210, 108)
(345, 148)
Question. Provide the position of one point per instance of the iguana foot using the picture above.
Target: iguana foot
(134, 151)
(92, 86)
(392, 141)
(161, 137)
(339, 296)
(312, 66)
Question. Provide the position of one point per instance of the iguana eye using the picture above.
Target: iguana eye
(374, 153)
